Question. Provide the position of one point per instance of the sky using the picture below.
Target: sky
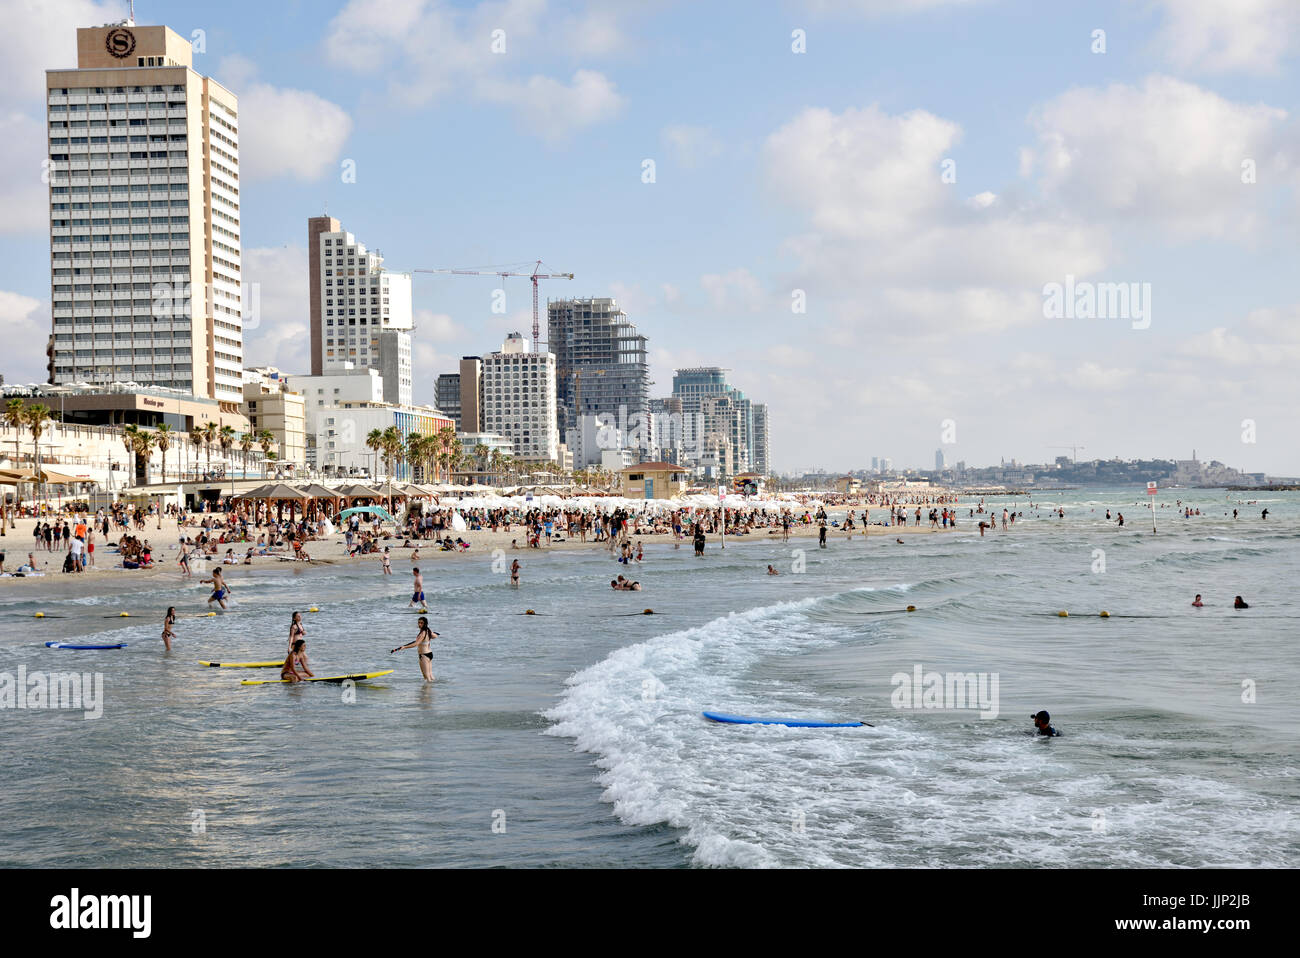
(859, 207)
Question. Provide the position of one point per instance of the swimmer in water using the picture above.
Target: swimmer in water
(422, 641)
(1043, 722)
(771, 570)
(219, 589)
(1239, 603)
(295, 668)
(1197, 603)
(168, 621)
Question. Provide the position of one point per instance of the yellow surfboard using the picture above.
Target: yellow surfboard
(355, 677)
(243, 665)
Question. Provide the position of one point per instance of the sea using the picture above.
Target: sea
(573, 737)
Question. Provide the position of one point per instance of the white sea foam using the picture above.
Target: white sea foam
(907, 793)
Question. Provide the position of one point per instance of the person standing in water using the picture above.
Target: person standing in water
(422, 642)
(168, 621)
(417, 596)
(295, 667)
(219, 589)
(514, 573)
(296, 630)
(388, 564)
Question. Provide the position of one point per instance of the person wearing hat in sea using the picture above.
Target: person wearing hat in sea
(1043, 722)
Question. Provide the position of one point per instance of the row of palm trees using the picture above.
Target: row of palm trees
(140, 442)
(442, 454)
(19, 416)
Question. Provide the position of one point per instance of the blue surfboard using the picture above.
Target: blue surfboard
(69, 645)
(792, 722)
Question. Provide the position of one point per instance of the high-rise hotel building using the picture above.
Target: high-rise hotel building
(144, 218)
(360, 312)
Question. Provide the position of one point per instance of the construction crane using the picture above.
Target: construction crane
(534, 274)
(1074, 451)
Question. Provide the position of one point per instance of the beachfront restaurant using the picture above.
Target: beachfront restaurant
(653, 480)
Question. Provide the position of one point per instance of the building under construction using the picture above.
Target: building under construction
(600, 361)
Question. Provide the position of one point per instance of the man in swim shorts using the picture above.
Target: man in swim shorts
(417, 597)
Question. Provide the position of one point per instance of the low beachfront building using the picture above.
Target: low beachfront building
(653, 480)
(342, 431)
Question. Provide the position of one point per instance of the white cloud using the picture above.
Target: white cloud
(1095, 377)
(1166, 152)
(1222, 36)
(43, 36)
(438, 327)
(738, 290)
(429, 50)
(870, 186)
(969, 309)
(861, 172)
(281, 334)
(879, 8)
(282, 131)
(24, 194)
(27, 321)
(552, 109)
(691, 145)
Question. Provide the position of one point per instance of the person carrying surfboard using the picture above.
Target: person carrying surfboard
(295, 667)
(422, 643)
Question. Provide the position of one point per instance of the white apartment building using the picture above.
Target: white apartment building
(360, 312)
(323, 392)
(144, 218)
(342, 430)
(519, 399)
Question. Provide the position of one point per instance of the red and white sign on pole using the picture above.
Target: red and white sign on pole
(1151, 491)
(1151, 488)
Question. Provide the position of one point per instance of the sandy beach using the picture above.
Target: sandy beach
(19, 541)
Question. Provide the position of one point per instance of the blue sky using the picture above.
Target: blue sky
(778, 171)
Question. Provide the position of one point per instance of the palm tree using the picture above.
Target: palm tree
(226, 439)
(162, 438)
(196, 440)
(209, 437)
(266, 440)
(15, 419)
(37, 415)
(245, 445)
(374, 440)
(392, 445)
(417, 452)
(143, 450)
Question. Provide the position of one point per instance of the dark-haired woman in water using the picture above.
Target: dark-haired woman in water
(422, 643)
(168, 621)
(295, 667)
(296, 630)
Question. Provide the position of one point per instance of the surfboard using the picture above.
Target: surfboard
(69, 645)
(355, 677)
(243, 665)
(792, 722)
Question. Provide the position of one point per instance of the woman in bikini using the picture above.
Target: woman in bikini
(296, 630)
(295, 667)
(422, 644)
(168, 621)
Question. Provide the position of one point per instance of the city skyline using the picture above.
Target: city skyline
(1162, 160)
